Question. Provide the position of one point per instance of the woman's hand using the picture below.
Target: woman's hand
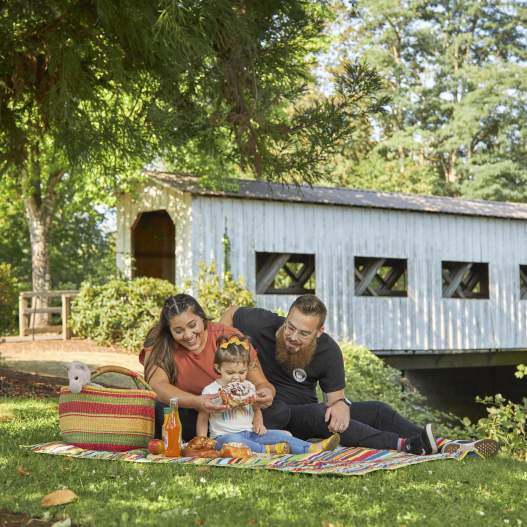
(208, 403)
(264, 397)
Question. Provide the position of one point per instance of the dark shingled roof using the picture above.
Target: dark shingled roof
(345, 197)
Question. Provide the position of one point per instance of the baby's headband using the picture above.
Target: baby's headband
(236, 342)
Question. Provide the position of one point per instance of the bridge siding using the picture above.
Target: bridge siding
(424, 320)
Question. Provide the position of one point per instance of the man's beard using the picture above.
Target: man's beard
(290, 361)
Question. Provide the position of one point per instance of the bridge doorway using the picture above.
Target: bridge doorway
(154, 246)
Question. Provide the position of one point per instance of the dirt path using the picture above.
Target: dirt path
(51, 357)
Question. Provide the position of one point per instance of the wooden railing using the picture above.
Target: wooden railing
(27, 309)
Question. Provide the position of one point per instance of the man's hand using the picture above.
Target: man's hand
(338, 417)
(264, 397)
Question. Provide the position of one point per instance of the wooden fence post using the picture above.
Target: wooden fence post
(66, 311)
(21, 315)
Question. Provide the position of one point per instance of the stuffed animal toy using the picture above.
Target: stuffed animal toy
(79, 374)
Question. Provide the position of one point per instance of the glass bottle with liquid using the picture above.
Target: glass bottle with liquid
(172, 431)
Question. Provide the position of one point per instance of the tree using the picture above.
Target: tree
(456, 74)
(91, 90)
(79, 245)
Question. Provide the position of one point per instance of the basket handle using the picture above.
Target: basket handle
(136, 377)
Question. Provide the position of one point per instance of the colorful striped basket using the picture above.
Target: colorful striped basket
(115, 419)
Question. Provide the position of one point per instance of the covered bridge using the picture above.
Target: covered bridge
(426, 282)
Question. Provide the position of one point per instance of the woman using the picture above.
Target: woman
(178, 358)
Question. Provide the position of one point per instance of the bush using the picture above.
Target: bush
(369, 379)
(119, 312)
(505, 422)
(216, 295)
(9, 289)
(122, 311)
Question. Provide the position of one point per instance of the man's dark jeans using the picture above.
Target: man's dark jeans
(373, 424)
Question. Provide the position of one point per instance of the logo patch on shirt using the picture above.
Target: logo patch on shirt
(299, 375)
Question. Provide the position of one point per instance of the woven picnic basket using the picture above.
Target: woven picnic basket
(114, 419)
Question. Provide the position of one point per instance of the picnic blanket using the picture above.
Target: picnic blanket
(342, 461)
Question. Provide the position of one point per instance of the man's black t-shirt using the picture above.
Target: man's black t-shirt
(298, 386)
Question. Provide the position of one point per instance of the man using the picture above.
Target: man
(296, 354)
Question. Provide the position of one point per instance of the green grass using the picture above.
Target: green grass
(471, 492)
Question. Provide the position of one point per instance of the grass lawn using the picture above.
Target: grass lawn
(471, 492)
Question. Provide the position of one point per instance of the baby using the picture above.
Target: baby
(244, 423)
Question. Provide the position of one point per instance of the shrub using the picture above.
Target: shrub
(122, 311)
(119, 312)
(9, 289)
(505, 421)
(368, 378)
(215, 295)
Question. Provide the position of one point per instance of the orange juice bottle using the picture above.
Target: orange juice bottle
(172, 430)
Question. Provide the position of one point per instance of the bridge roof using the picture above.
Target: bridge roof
(261, 190)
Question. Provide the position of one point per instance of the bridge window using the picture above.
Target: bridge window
(381, 276)
(465, 279)
(523, 282)
(285, 273)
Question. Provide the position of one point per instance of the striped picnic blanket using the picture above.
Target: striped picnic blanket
(342, 461)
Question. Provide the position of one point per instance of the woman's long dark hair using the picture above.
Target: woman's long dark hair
(160, 339)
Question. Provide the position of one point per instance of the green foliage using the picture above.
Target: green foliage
(121, 311)
(505, 423)
(80, 249)
(89, 96)
(216, 294)
(455, 73)
(521, 371)
(368, 378)
(9, 289)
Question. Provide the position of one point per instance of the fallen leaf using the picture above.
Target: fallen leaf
(59, 497)
(22, 471)
(202, 469)
(252, 521)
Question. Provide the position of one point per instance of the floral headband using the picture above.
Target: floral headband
(235, 341)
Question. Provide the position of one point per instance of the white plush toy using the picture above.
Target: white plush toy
(79, 374)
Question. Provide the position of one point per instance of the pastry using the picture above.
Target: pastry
(191, 452)
(237, 394)
(201, 443)
(235, 450)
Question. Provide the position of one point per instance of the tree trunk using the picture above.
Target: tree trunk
(451, 172)
(38, 219)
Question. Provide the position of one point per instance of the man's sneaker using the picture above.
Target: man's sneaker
(414, 445)
(429, 440)
(482, 447)
(422, 444)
